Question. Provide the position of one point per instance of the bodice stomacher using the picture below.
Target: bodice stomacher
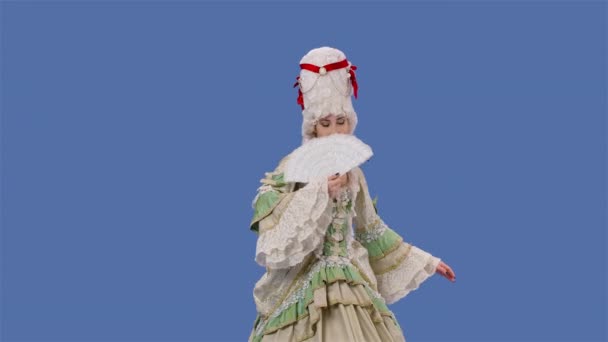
(339, 232)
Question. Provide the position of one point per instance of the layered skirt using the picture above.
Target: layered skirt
(331, 303)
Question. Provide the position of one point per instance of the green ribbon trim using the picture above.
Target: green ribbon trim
(386, 242)
(325, 276)
(279, 180)
(264, 205)
(267, 201)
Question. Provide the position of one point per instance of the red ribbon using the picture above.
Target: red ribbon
(300, 96)
(327, 68)
(353, 79)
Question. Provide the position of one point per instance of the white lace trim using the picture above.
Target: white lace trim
(300, 230)
(269, 290)
(353, 183)
(304, 283)
(415, 269)
(373, 232)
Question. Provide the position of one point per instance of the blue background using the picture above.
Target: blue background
(134, 135)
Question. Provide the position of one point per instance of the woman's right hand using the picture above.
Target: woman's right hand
(335, 184)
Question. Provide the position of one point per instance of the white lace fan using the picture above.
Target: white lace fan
(320, 158)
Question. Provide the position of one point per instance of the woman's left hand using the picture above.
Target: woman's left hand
(335, 183)
(446, 271)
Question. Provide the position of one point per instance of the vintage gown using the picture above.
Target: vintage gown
(331, 266)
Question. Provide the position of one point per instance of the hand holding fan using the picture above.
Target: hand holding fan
(321, 157)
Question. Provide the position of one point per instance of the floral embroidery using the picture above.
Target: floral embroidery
(373, 232)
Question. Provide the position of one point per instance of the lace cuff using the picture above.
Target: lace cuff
(300, 229)
(397, 281)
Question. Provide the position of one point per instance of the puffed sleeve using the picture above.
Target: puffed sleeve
(290, 224)
(399, 266)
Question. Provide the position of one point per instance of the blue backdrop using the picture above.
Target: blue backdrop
(134, 135)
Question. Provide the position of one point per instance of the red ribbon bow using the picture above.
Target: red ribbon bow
(300, 96)
(322, 71)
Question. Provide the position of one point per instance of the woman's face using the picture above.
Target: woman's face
(331, 124)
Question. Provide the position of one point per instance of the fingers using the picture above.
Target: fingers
(449, 270)
(335, 182)
(449, 274)
(341, 180)
(446, 271)
(334, 191)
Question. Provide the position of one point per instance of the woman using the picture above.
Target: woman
(332, 264)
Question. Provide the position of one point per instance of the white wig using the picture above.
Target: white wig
(325, 92)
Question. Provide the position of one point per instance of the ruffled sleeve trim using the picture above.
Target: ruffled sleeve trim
(408, 275)
(300, 229)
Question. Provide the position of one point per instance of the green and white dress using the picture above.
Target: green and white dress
(331, 266)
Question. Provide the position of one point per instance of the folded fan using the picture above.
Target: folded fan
(322, 157)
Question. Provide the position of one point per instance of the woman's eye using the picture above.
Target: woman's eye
(325, 124)
(340, 122)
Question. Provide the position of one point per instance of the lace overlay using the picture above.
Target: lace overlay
(270, 290)
(407, 276)
(299, 231)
